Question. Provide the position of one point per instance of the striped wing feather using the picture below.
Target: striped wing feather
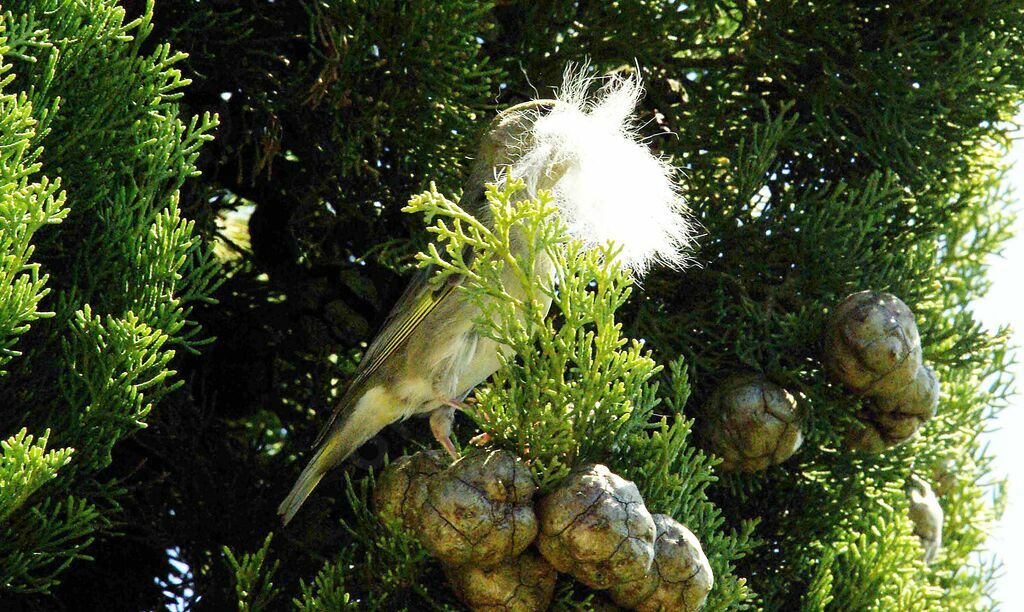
(417, 301)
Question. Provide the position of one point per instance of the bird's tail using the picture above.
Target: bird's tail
(344, 437)
(308, 479)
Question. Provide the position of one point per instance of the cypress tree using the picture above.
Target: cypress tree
(201, 216)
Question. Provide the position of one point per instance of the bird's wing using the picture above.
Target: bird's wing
(418, 301)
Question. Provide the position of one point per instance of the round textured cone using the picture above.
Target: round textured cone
(680, 577)
(872, 344)
(892, 420)
(595, 526)
(479, 510)
(524, 584)
(918, 398)
(751, 423)
(401, 487)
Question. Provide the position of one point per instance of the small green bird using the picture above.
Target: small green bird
(608, 187)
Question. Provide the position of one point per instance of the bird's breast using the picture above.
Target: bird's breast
(414, 394)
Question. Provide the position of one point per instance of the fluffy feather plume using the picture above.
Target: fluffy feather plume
(614, 188)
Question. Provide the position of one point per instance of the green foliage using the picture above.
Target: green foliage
(33, 548)
(873, 565)
(41, 543)
(825, 148)
(385, 569)
(253, 582)
(99, 269)
(24, 466)
(327, 592)
(25, 207)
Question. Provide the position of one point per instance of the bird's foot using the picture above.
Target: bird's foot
(453, 403)
(441, 426)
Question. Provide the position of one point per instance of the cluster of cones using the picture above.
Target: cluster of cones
(503, 551)
(874, 349)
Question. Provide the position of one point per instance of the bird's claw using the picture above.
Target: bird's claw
(449, 446)
(441, 426)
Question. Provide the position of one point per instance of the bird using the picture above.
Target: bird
(580, 147)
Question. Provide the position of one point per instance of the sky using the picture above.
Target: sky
(1004, 305)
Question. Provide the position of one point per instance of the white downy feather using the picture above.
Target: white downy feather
(614, 189)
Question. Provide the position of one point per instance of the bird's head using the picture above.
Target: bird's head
(508, 137)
